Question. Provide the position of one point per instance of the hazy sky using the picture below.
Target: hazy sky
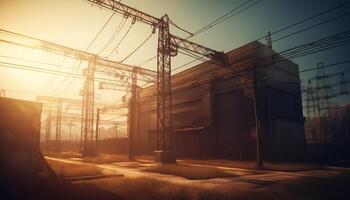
(75, 23)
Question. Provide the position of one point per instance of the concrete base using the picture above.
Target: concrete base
(164, 156)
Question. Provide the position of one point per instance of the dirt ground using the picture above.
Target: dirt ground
(114, 177)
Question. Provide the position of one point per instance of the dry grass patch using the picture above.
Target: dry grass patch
(189, 172)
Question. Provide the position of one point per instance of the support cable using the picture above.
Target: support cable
(226, 16)
(114, 35)
(308, 48)
(300, 22)
(182, 29)
(212, 24)
(126, 33)
(137, 48)
(310, 27)
(98, 34)
(308, 18)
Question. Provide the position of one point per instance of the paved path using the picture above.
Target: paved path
(246, 178)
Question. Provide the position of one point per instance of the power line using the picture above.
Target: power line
(146, 61)
(239, 74)
(322, 44)
(298, 53)
(43, 63)
(182, 29)
(103, 27)
(313, 26)
(64, 80)
(300, 22)
(137, 48)
(308, 18)
(306, 49)
(192, 55)
(30, 60)
(126, 33)
(311, 69)
(225, 17)
(212, 24)
(50, 64)
(48, 71)
(114, 35)
(181, 66)
(36, 46)
(71, 82)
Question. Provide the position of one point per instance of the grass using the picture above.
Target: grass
(189, 172)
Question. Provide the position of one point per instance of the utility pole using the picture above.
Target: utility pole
(70, 134)
(168, 46)
(323, 91)
(2, 93)
(80, 150)
(58, 127)
(164, 151)
(259, 156)
(48, 131)
(88, 109)
(310, 101)
(97, 129)
(132, 114)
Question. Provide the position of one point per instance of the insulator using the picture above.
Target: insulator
(173, 50)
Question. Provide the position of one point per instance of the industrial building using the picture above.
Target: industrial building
(213, 109)
(21, 159)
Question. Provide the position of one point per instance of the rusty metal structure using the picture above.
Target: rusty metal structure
(168, 46)
(88, 109)
(97, 65)
(58, 127)
(68, 111)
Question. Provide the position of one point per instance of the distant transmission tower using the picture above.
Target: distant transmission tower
(2, 93)
(48, 130)
(323, 91)
(310, 101)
